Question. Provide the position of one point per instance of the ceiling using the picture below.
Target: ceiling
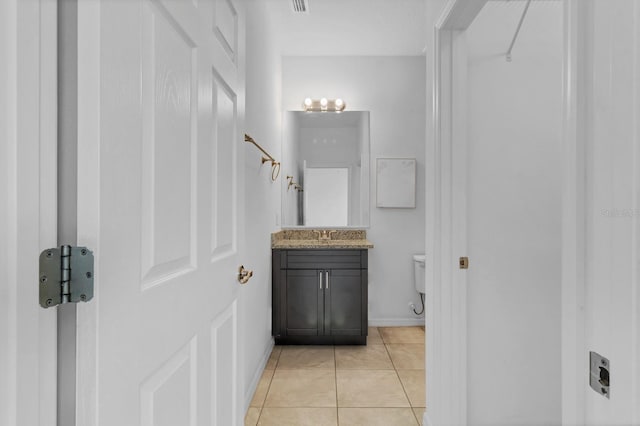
(349, 27)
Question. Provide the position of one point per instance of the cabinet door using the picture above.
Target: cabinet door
(344, 302)
(304, 303)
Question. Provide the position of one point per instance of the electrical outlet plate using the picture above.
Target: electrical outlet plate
(599, 373)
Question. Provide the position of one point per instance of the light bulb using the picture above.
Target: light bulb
(324, 102)
(308, 102)
(339, 102)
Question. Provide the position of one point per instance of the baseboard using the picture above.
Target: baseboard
(256, 375)
(425, 419)
(395, 322)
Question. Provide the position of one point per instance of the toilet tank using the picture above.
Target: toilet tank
(418, 272)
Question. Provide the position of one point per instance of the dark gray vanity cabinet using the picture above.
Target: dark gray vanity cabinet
(320, 296)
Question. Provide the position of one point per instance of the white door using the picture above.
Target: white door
(161, 107)
(27, 210)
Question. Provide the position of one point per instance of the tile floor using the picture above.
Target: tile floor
(381, 383)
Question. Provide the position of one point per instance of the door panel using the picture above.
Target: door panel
(304, 303)
(224, 380)
(226, 27)
(225, 113)
(343, 302)
(169, 142)
(167, 396)
(159, 123)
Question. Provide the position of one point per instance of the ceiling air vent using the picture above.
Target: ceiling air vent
(300, 6)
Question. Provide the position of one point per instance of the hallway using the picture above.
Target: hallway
(378, 384)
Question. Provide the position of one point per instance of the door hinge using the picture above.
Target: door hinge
(66, 276)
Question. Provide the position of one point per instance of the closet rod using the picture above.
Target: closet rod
(515, 36)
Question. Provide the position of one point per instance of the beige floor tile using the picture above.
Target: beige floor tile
(273, 358)
(376, 417)
(413, 383)
(407, 356)
(298, 417)
(251, 418)
(418, 411)
(369, 357)
(302, 388)
(402, 334)
(374, 336)
(306, 357)
(370, 388)
(261, 389)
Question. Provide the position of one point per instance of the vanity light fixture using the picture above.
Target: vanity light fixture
(324, 105)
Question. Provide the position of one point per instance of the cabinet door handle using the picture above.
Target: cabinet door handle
(327, 280)
(320, 279)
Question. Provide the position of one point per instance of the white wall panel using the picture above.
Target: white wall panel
(514, 134)
(262, 197)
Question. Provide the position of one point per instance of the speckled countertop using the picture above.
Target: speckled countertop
(320, 238)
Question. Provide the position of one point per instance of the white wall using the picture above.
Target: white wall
(514, 113)
(292, 198)
(611, 207)
(262, 196)
(393, 90)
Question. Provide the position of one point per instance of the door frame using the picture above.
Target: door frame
(446, 318)
(28, 208)
(88, 214)
(446, 232)
(579, 103)
(576, 69)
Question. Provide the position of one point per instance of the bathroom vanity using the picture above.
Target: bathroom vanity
(319, 285)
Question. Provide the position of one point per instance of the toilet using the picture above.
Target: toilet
(418, 272)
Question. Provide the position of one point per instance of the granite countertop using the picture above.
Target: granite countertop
(320, 238)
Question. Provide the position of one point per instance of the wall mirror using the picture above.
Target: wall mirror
(326, 165)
